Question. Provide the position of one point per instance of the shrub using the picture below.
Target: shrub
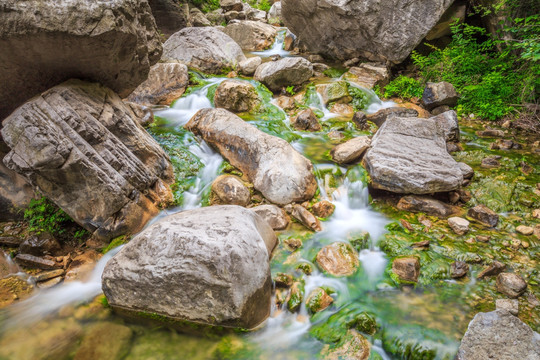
(403, 87)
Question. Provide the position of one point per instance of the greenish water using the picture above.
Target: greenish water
(425, 321)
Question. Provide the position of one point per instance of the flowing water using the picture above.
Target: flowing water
(423, 322)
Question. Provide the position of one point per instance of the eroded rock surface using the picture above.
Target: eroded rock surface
(82, 147)
(284, 72)
(208, 265)
(251, 35)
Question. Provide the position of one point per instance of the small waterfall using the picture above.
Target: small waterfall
(375, 104)
(49, 301)
(277, 47)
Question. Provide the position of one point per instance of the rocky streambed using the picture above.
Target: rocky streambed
(315, 222)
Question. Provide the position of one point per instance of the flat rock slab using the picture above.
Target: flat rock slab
(208, 265)
(499, 335)
(114, 42)
(278, 171)
(408, 155)
(204, 48)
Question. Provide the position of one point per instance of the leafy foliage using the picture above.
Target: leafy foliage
(360, 99)
(260, 4)
(44, 216)
(403, 87)
(206, 5)
(491, 75)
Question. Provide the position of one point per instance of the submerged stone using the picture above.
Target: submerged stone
(159, 271)
(511, 284)
(296, 296)
(426, 205)
(105, 341)
(458, 269)
(318, 300)
(484, 215)
(352, 346)
(338, 259)
(406, 268)
(236, 96)
(306, 120)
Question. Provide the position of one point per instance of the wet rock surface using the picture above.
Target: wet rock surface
(112, 42)
(338, 259)
(82, 148)
(236, 96)
(484, 215)
(306, 120)
(278, 171)
(368, 75)
(233, 244)
(203, 48)
(274, 215)
(408, 155)
(406, 269)
(351, 150)
(427, 205)
(511, 284)
(230, 190)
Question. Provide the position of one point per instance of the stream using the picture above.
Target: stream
(422, 322)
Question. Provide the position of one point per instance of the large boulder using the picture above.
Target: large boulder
(170, 15)
(499, 335)
(114, 42)
(204, 48)
(83, 148)
(284, 72)
(408, 155)
(386, 30)
(278, 171)
(166, 82)
(208, 265)
(251, 35)
(236, 96)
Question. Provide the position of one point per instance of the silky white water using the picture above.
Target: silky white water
(277, 47)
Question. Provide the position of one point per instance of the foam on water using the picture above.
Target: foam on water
(277, 47)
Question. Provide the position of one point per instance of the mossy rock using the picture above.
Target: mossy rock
(296, 296)
(105, 341)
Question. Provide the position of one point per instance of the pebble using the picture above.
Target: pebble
(459, 225)
(525, 230)
(483, 238)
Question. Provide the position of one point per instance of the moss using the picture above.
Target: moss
(296, 296)
(117, 241)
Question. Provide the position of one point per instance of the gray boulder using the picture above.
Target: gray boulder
(351, 150)
(250, 65)
(208, 265)
(231, 5)
(203, 48)
(83, 148)
(251, 35)
(408, 155)
(386, 30)
(499, 335)
(284, 72)
(114, 42)
(166, 82)
(274, 14)
(278, 171)
(439, 94)
(15, 192)
(449, 122)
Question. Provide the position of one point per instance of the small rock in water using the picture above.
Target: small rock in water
(13, 288)
(49, 283)
(301, 214)
(250, 65)
(284, 72)
(338, 259)
(236, 96)
(283, 280)
(525, 230)
(483, 238)
(406, 268)
(293, 243)
(427, 205)
(459, 225)
(350, 151)
(535, 214)
(306, 121)
(490, 162)
(490, 133)
(368, 75)
(296, 296)
(286, 102)
(104, 340)
(466, 170)
(318, 300)
(438, 94)
(423, 245)
(274, 215)
(323, 209)
(360, 121)
(495, 268)
(484, 215)
(352, 346)
(335, 136)
(510, 305)
(458, 269)
(47, 275)
(230, 190)
(511, 284)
